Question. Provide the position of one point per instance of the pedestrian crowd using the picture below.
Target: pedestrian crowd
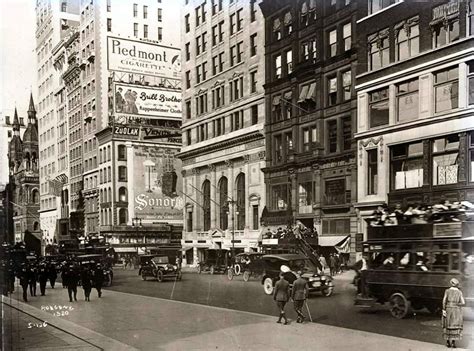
(30, 273)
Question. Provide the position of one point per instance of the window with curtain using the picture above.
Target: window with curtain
(407, 101)
(446, 89)
(406, 162)
(445, 160)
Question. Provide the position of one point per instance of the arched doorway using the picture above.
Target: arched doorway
(240, 201)
(223, 204)
(206, 204)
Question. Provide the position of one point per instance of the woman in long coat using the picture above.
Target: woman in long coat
(452, 313)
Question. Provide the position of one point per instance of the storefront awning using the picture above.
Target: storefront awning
(340, 242)
(125, 249)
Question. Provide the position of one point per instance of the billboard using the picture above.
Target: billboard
(157, 183)
(131, 100)
(142, 57)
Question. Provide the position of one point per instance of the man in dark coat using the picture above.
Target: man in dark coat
(72, 278)
(52, 274)
(86, 282)
(33, 278)
(64, 270)
(299, 294)
(332, 265)
(281, 295)
(42, 277)
(24, 276)
(98, 278)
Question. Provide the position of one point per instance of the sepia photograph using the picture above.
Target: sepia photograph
(237, 175)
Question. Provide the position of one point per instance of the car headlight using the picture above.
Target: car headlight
(312, 279)
(323, 278)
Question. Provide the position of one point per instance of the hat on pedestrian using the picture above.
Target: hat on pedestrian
(454, 282)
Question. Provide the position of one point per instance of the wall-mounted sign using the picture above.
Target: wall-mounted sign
(157, 183)
(131, 100)
(141, 57)
(446, 10)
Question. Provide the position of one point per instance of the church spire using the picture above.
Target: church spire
(31, 111)
(16, 124)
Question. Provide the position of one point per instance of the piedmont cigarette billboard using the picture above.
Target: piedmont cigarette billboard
(142, 101)
(142, 57)
(157, 183)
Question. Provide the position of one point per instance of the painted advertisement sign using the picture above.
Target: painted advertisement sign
(131, 100)
(142, 57)
(157, 184)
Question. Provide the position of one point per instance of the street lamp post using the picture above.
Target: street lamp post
(137, 223)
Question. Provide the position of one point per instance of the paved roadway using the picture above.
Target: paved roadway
(337, 310)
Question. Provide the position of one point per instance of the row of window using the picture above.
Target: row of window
(144, 12)
(159, 30)
(235, 121)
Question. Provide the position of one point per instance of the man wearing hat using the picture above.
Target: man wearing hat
(299, 294)
(452, 313)
(281, 295)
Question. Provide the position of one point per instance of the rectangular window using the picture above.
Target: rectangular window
(280, 196)
(145, 11)
(277, 66)
(445, 160)
(109, 24)
(407, 41)
(378, 108)
(253, 82)
(377, 5)
(276, 108)
(333, 43)
(198, 46)
(406, 165)
(470, 13)
(240, 20)
(253, 44)
(379, 50)
(332, 91)
(109, 7)
(187, 51)
(197, 11)
(160, 15)
(237, 120)
(221, 31)
(346, 85)
(346, 133)
(372, 172)
(470, 84)
(407, 101)
(446, 89)
(145, 31)
(135, 10)
(445, 24)
(187, 23)
(232, 24)
(188, 137)
(310, 137)
(289, 143)
(240, 51)
(214, 65)
(221, 62)
(188, 109)
(254, 114)
(289, 62)
(135, 29)
(255, 216)
(214, 35)
(198, 74)
(160, 33)
(203, 41)
(216, 6)
(335, 192)
(188, 79)
(305, 197)
(278, 148)
(253, 10)
(346, 34)
(332, 135)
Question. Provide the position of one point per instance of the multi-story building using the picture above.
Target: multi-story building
(310, 172)
(223, 144)
(24, 183)
(415, 86)
(54, 21)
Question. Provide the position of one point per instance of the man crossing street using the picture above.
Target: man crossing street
(299, 294)
(281, 295)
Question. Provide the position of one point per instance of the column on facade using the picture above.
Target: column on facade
(192, 192)
(317, 199)
(231, 192)
(195, 256)
(131, 180)
(248, 216)
(294, 194)
(214, 200)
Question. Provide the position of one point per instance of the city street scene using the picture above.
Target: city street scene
(237, 174)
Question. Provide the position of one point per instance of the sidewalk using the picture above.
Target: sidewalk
(120, 321)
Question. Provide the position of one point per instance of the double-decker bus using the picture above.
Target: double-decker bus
(410, 265)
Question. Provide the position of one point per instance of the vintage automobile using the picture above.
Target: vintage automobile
(160, 268)
(410, 265)
(215, 261)
(290, 264)
(144, 260)
(248, 264)
(92, 260)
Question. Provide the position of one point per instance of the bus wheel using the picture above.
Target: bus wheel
(399, 305)
(230, 273)
(246, 276)
(268, 286)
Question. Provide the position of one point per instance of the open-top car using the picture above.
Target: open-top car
(214, 261)
(248, 264)
(294, 263)
(159, 267)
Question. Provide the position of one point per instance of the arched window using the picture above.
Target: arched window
(109, 174)
(123, 197)
(223, 203)
(109, 195)
(206, 204)
(240, 201)
(109, 157)
(35, 196)
(122, 153)
(123, 216)
(101, 198)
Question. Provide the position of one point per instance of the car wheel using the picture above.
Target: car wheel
(399, 305)
(212, 270)
(143, 276)
(246, 276)
(230, 273)
(268, 286)
(180, 275)
(327, 290)
(199, 269)
(159, 276)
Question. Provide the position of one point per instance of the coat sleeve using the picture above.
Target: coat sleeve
(275, 291)
(461, 299)
(445, 299)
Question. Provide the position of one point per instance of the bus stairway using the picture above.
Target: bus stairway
(307, 251)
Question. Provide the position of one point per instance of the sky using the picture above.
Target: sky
(17, 54)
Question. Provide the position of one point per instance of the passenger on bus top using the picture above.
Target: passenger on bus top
(389, 263)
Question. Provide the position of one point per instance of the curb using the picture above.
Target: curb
(91, 337)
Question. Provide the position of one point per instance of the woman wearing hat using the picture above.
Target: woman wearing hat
(452, 313)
